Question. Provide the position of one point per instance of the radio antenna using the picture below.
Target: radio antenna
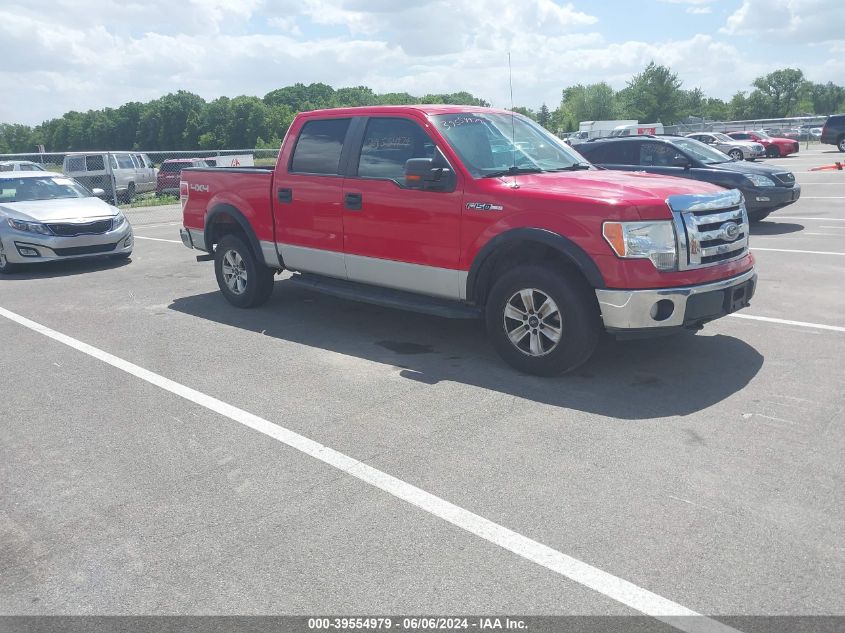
(513, 124)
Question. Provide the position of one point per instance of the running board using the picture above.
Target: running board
(387, 297)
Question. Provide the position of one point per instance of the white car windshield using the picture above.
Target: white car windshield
(700, 151)
(724, 138)
(492, 144)
(42, 188)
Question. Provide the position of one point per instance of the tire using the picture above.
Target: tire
(573, 313)
(736, 154)
(243, 279)
(758, 216)
(772, 151)
(841, 143)
(6, 267)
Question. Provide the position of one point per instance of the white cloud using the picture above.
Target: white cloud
(85, 54)
(699, 10)
(789, 21)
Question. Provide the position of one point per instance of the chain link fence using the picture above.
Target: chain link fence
(145, 184)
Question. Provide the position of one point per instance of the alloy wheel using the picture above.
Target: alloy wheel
(532, 321)
(234, 272)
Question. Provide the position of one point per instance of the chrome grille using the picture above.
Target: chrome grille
(711, 229)
(785, 178)
(67, 229)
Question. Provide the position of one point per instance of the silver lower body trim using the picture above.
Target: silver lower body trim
(632, 309)
(426, 280)
(268, 252)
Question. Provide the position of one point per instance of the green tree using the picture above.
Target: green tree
(544, 117)
(827, 98)
(525, 112)
(16, 138)
(653, 95)
(780, 91)
(593, 102)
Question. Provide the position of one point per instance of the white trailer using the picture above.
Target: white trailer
(598, 129)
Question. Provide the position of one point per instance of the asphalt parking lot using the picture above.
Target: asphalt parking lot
(705, 470)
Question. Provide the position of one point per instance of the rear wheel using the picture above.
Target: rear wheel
(841, 143)
(541, 321)
(244, 280)
(736, 154)
(773, 152)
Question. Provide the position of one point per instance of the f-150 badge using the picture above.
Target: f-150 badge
(483, 206)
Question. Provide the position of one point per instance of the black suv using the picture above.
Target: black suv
(833, 132)
(765, 188)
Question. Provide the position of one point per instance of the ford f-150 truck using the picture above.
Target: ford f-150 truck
(474, 212)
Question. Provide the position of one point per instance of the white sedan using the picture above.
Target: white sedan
(738, 150)
(47, 217)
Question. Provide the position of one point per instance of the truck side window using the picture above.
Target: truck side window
(388, 143)
(319, 146)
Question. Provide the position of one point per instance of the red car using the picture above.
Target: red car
(167, 180)
(474, 213)
(775, 146)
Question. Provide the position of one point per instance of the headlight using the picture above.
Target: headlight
(760, 181)
(643, 240)
(118, 221)
(29, 227)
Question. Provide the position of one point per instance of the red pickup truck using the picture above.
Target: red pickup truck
(474, 212)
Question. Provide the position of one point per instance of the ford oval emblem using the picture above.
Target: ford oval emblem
(729, 231)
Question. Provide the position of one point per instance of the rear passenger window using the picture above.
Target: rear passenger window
(124, 161)
(94, 163)
(388, 144)
(319, 146)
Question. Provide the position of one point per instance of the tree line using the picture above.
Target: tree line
(185, 121)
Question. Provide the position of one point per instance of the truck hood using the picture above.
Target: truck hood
(612, 186)
(73, 209)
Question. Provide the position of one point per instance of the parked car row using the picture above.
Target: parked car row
(765, 188)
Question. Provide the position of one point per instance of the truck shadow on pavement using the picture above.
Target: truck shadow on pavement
(632, 380)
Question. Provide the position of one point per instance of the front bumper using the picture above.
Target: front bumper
(31, 248)
(654, 310)
(770, 197)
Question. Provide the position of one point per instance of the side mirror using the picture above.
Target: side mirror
(427, 174)
(98, 192)
(681, 161)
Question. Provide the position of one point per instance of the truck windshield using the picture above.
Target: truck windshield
(491, 144)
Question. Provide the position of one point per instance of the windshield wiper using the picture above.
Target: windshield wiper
(513, 171)
(573, 167)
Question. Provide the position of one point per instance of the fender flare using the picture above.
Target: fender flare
(239, 217)
(481, 265)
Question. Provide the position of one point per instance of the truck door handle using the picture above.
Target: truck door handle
(352, 201)
(285, 195)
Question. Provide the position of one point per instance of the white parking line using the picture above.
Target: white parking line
(790, 250)
(822, 198)
(798, 217)
(815, 326)
(157, 239)
(603, 582)
(156, 225)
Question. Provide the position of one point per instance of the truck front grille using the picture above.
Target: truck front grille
(711, 229)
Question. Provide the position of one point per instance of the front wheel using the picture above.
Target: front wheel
(244, 280)
(542, 321)
(6, 267)
(736, 154)
(773, 152)
(758, 216)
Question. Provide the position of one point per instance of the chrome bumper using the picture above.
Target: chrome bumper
(644, 309)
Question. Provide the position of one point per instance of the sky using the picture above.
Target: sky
(62, 55)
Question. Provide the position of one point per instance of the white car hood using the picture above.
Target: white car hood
(68, 209)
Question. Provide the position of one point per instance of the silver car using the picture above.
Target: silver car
(738, 150)
(47, 217)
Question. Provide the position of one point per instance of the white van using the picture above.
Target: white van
(636, 129)
(131, 172)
